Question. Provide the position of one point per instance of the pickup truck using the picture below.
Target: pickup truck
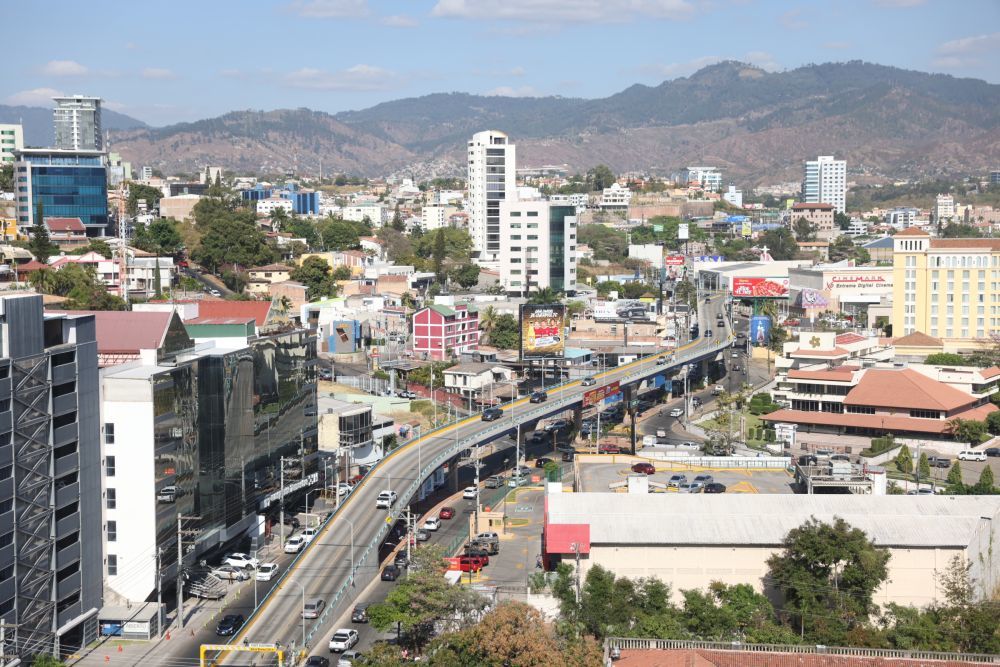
(717, 390)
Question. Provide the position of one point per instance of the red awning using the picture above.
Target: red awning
(561, 537)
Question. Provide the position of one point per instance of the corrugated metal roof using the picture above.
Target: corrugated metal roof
(765, 519)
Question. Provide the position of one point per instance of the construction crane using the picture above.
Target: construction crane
(123, 239)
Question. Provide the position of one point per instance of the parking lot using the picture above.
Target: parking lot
(595, 476)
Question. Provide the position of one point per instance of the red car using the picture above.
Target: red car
(644, 468)
(446, 513)
(471, 563)
(609, 449)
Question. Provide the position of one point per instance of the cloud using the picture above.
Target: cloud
(159, 73)
(353, 79)
(792, 20)
(517, 71)
(510, 91)
(63, 68)
(330, 9)
(564, 11)
(400, 21)
(967, 51)
(36, 97)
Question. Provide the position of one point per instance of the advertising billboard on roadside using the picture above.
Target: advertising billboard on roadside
(674, 260)
(760, 330)
(595, 396)
(542, 335)
(760, 288)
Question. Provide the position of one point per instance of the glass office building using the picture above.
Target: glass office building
(69, 183)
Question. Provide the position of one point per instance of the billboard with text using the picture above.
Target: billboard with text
(595, 396)
(542, 335)
(760, 288)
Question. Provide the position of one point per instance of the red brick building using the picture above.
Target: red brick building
(440, 331)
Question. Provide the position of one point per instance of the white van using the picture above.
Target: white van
(970, 455)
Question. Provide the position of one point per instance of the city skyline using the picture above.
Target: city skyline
(280, 56)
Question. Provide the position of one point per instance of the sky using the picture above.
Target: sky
(181, 61)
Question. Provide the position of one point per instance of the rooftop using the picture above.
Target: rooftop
(804, 206)
(907, 389)
(968, 244)
(258, 310)
(471, 368)
(917, 339)
(272, 267)
(765, 519)
(128, 332)
(65, 225)
(877, 422)
(912, 231)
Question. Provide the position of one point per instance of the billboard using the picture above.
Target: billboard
(747, 228)
(760, 330)
(542, 331)
(682, 232)
(595, 396)
(811, 298)
(760, 288)
(674, 260)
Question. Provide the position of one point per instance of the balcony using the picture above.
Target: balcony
(65, 434)
(67, 494)
(66, 464)
(66, 556)
(68, 586)
(63, 404)
(64, 372)
(68, 524)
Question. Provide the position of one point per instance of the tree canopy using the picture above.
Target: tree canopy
(160, 236)
(229, 236)
(505, 335)
(137, 191)
(316, 275)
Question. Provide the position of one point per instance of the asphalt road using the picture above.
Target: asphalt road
(324, 570)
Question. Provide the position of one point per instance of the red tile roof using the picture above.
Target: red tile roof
(834, 375)
(971, 244)
(806, 352)
(848, 338)
(30, 266)
(907, 389)
(912, 231)
(917, 339)
(258, 310)
(990, 372)
(803, 206)
(128, 332)
(878, 422)
(65, 225)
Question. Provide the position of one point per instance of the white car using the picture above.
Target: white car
(385, 500)
(309, 533)
(970, 455)
(343, 489)
(343, 639)
(350, 659)
(676, 412)
(295, 544)
(469, 492)
(267, 571)
(432, 523)
(241, 560)
(230, 573)
(588, 382)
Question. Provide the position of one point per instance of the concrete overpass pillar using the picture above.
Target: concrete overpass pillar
(453, 474)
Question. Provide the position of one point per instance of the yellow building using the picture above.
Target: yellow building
(946, 288)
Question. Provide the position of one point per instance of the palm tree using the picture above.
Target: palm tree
(545, 295)
(43, 280)
(487, 321)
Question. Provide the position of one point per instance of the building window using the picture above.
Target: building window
(112, 565)
(109, 433)
(860, 410)
(112, 531)
(109, 466)
(111, 499)
(925, 414)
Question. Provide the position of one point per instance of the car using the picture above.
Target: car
(970, 455)
(993, 451)
(385, 500)
(557, 425)
(492, 414)
(167, 494)
(704, 479)
(715, 487)
(294, 545)
(470, 492)
(484, 547)
(229, 625)
(422, 535)
(541, 461)
(720, 323)
(568, 455)
(446, 513)
(494, 482)
(267, 571)
(608, 449)
(317, 661)
(476, 549)
(677, 480)
(939, 462)
(344, 488)
(735, 354)
(432, 523)
(230, 573)
(350, 659)
(808, 460)
(708, 332)
(360, 613)
(538, 397)
(644, 468)
(326, 374)
(718, 389)
(676, 412)
(696, 402)
(922, 491)
(240, 560)
(215, 292)
(536, 437)
(308, 534)
(470, 563)
(662, 361)
(390, 572)
(343, 639)
(313, 608)
(588, 382)
(736, 367)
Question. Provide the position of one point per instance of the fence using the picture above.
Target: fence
(372, 385)
(626, 643)
(763, 462)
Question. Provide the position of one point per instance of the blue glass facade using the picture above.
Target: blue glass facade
(69, 185)
(304, 203)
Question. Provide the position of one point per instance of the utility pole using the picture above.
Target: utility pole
(409, 518)
(159, 591)
(181, 532)
(281, 502)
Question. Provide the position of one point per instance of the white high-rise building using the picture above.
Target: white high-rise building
(944, 207)
(77, 121)
(709, 178)
(826, 182)
(537, 247)
(11, 139)
(491, 182)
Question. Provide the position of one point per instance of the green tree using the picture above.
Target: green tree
(948, 359)
(7, 178)
(924, 466)
(605, 242)
(780, 243)
(315, 274)
(842, 220)
(546, 295)
(439, 255)
(339, 234)
(161, 237)
(99, 246)
(397, 221)
(488, 320)
(904, 460)
(457, 244)
(46, 660)
(600, 177)
(804, 230)
(341, 273)
(40, 245)
(228, 237)
(303, 228)
(828, 574)
(968, 430)
(466, 275)
(505, 334)
(137, 191)
(985, 484)
(957, 230)
(954, 479)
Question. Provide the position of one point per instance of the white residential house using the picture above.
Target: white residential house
(491, 158)
(269, 206)
(475, 381)
(615, 198)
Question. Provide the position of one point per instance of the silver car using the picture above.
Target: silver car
(677, 480)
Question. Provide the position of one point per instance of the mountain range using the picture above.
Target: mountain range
(757, 126)
(37, 122)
